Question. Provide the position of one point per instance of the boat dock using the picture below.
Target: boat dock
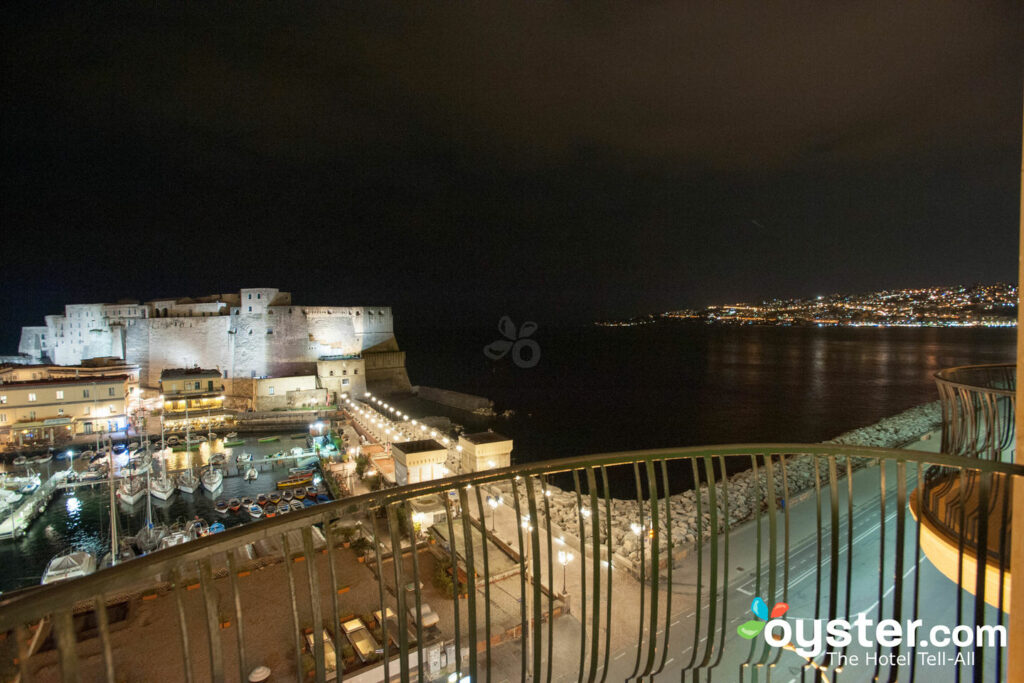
(33, 505)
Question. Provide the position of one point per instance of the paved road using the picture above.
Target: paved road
(808, 585)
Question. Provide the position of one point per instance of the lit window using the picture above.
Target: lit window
(60, 411)
(344, 382)
(31, 397)
(3, 399)
(270, 391)
(112, 409)
(60, 393)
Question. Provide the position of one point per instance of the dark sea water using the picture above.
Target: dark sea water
(599, 389)
(612, 389)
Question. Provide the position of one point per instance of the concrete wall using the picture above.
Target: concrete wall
(454, 399)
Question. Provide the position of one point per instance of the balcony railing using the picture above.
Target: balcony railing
(547, 583)
(978, 410)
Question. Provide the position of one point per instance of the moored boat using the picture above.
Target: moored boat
(287, 496)
(251, 474)
(221, 506)
(69, 565)
(269, 510)
(295, 481)
(269, 439)
(212, 479)
(244, 457)
(262, 499)
(231, 435)
(20, 460)
(247, 501)
(188, 482)
(296, 505)
(216, 528)
(300, 493)
(234, 504)
(255, 511)
(274, 497)
(131, 490)
(162, 488)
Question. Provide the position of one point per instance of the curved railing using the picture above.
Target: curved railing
(542, 581)
(978, 410)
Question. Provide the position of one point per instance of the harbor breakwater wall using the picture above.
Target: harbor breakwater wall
(747, 492)
(455, 399)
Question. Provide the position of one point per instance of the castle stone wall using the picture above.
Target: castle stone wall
(256, 333)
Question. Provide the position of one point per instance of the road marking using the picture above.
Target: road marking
(743, 590)
(687, 649)
(670, 660)
(620, 656)
(690, 615)
(675, 623)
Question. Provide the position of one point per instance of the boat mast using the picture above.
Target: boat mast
(114, 550)
(149, 494)
(188, 441)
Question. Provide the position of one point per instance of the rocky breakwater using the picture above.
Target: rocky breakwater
(740, 497)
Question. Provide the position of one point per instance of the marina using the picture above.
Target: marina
(62, 515)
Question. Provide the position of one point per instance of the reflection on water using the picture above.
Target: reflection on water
(80, 518)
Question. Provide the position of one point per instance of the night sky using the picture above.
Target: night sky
(546, 160)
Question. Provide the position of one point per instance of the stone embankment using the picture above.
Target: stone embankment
(747, 492)
(456, 399)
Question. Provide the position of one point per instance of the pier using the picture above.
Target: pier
(15, 524)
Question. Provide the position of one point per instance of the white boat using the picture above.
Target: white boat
(251, 474)
(212, 436)
(162, 488)
(20, 460)
(212, 479)
(173, 441)
(297, 451)
(131, 490)
(231, 435)
(149, 537)
(188, 482)
(140, 465)
(244, 457)
(69, 565)
(200, 438)
(255, 511)
(174, 538)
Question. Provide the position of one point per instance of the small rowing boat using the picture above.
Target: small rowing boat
(269, 439)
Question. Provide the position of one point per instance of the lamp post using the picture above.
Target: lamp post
(494, 502)
(564, 558)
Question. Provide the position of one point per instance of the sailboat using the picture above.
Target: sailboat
(150, 536)
(188, 482)
(212, 479)
(119, 552)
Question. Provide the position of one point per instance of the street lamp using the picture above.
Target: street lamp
(494, 502)
(564, 558)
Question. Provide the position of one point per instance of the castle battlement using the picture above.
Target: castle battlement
(258, 332)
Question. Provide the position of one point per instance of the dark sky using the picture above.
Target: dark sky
(466, 161)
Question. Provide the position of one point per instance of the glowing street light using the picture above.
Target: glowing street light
(494, 502)
(564, 558)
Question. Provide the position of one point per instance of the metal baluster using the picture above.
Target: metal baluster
(294, 604)
(467, 541)
(186, 653)
(239, 631)
(67, 647)
(416, 591)
(314, 604)
(212, 620)
(403, 614)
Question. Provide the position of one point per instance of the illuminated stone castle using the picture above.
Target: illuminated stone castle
(255, 333)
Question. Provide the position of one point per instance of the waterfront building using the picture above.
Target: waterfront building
(485, 451)
(342, 375)
(418, 461)
(284, 393)
(192, 396)
(50, 409)
(245, 335)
